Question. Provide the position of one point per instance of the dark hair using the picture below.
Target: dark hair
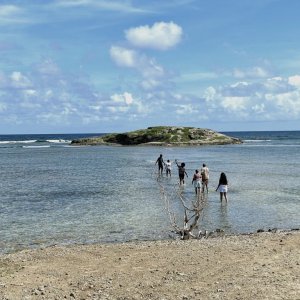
(204, 165)
(182, 164)
(223, 179)
(196, 171)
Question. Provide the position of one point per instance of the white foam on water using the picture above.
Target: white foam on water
(256, 141)
(60, 141)
(18, 142)
(32, 147)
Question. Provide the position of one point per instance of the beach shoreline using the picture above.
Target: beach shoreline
(245, 266)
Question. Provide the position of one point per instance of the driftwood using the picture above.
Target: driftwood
(192, 209)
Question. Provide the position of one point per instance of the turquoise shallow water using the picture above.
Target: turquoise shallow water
(52, 193)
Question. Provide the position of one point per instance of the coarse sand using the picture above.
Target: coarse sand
(254, 266)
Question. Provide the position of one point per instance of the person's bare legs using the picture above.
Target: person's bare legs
(206, 184)
(225, 196)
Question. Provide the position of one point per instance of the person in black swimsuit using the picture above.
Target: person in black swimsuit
(181, 172)
(160, 163)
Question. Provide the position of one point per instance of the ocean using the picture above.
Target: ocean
(54, 193)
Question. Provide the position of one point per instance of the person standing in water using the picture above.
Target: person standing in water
(168, 168)
(181, 172)
(160, 163)
(205, 177)
(197, 182)
(223, 186)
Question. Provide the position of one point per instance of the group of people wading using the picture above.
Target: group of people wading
(200, 178)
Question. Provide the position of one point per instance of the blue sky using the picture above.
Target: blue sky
(71, 66)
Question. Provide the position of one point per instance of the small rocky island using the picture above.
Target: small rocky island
(162, 136)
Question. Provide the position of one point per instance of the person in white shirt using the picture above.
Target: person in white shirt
(168, 165)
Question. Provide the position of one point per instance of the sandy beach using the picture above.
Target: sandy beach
(255, 266)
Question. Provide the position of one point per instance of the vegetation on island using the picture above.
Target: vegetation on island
(161, 135)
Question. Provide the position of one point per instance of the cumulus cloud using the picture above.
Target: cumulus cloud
(124, 57)
(122, 98)
(126, 102)
(160, 36)
(268, 100)
(186, 109)
(153, 75)
(294, 80)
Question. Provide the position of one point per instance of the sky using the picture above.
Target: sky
(96, 66)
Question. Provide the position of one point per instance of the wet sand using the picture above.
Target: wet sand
(255, 266)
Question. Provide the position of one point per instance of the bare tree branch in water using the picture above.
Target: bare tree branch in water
(191, 210)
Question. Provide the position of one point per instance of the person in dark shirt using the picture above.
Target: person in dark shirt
(160, 163)
(181, 172)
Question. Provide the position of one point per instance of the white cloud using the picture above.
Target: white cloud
(153, 75)
(235, 103)
(160, 36)
(115, 109)
(9, 10)
(48, 94)
(210, 94)
(124, 57)
(48, 67)
(111, 5)
(12, 14)
(18, 80)
(30, 92)
(270, 99)
(294, 80)
(255, 72)
(123, 98)
(150, 84)
(186, 109)
(288, 103)
(30, 105)
(126, 102)
(258, 108)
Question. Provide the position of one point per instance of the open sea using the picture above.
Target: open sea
(54, 193)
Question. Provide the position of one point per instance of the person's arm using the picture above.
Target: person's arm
(176, 163)
(186, 173)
